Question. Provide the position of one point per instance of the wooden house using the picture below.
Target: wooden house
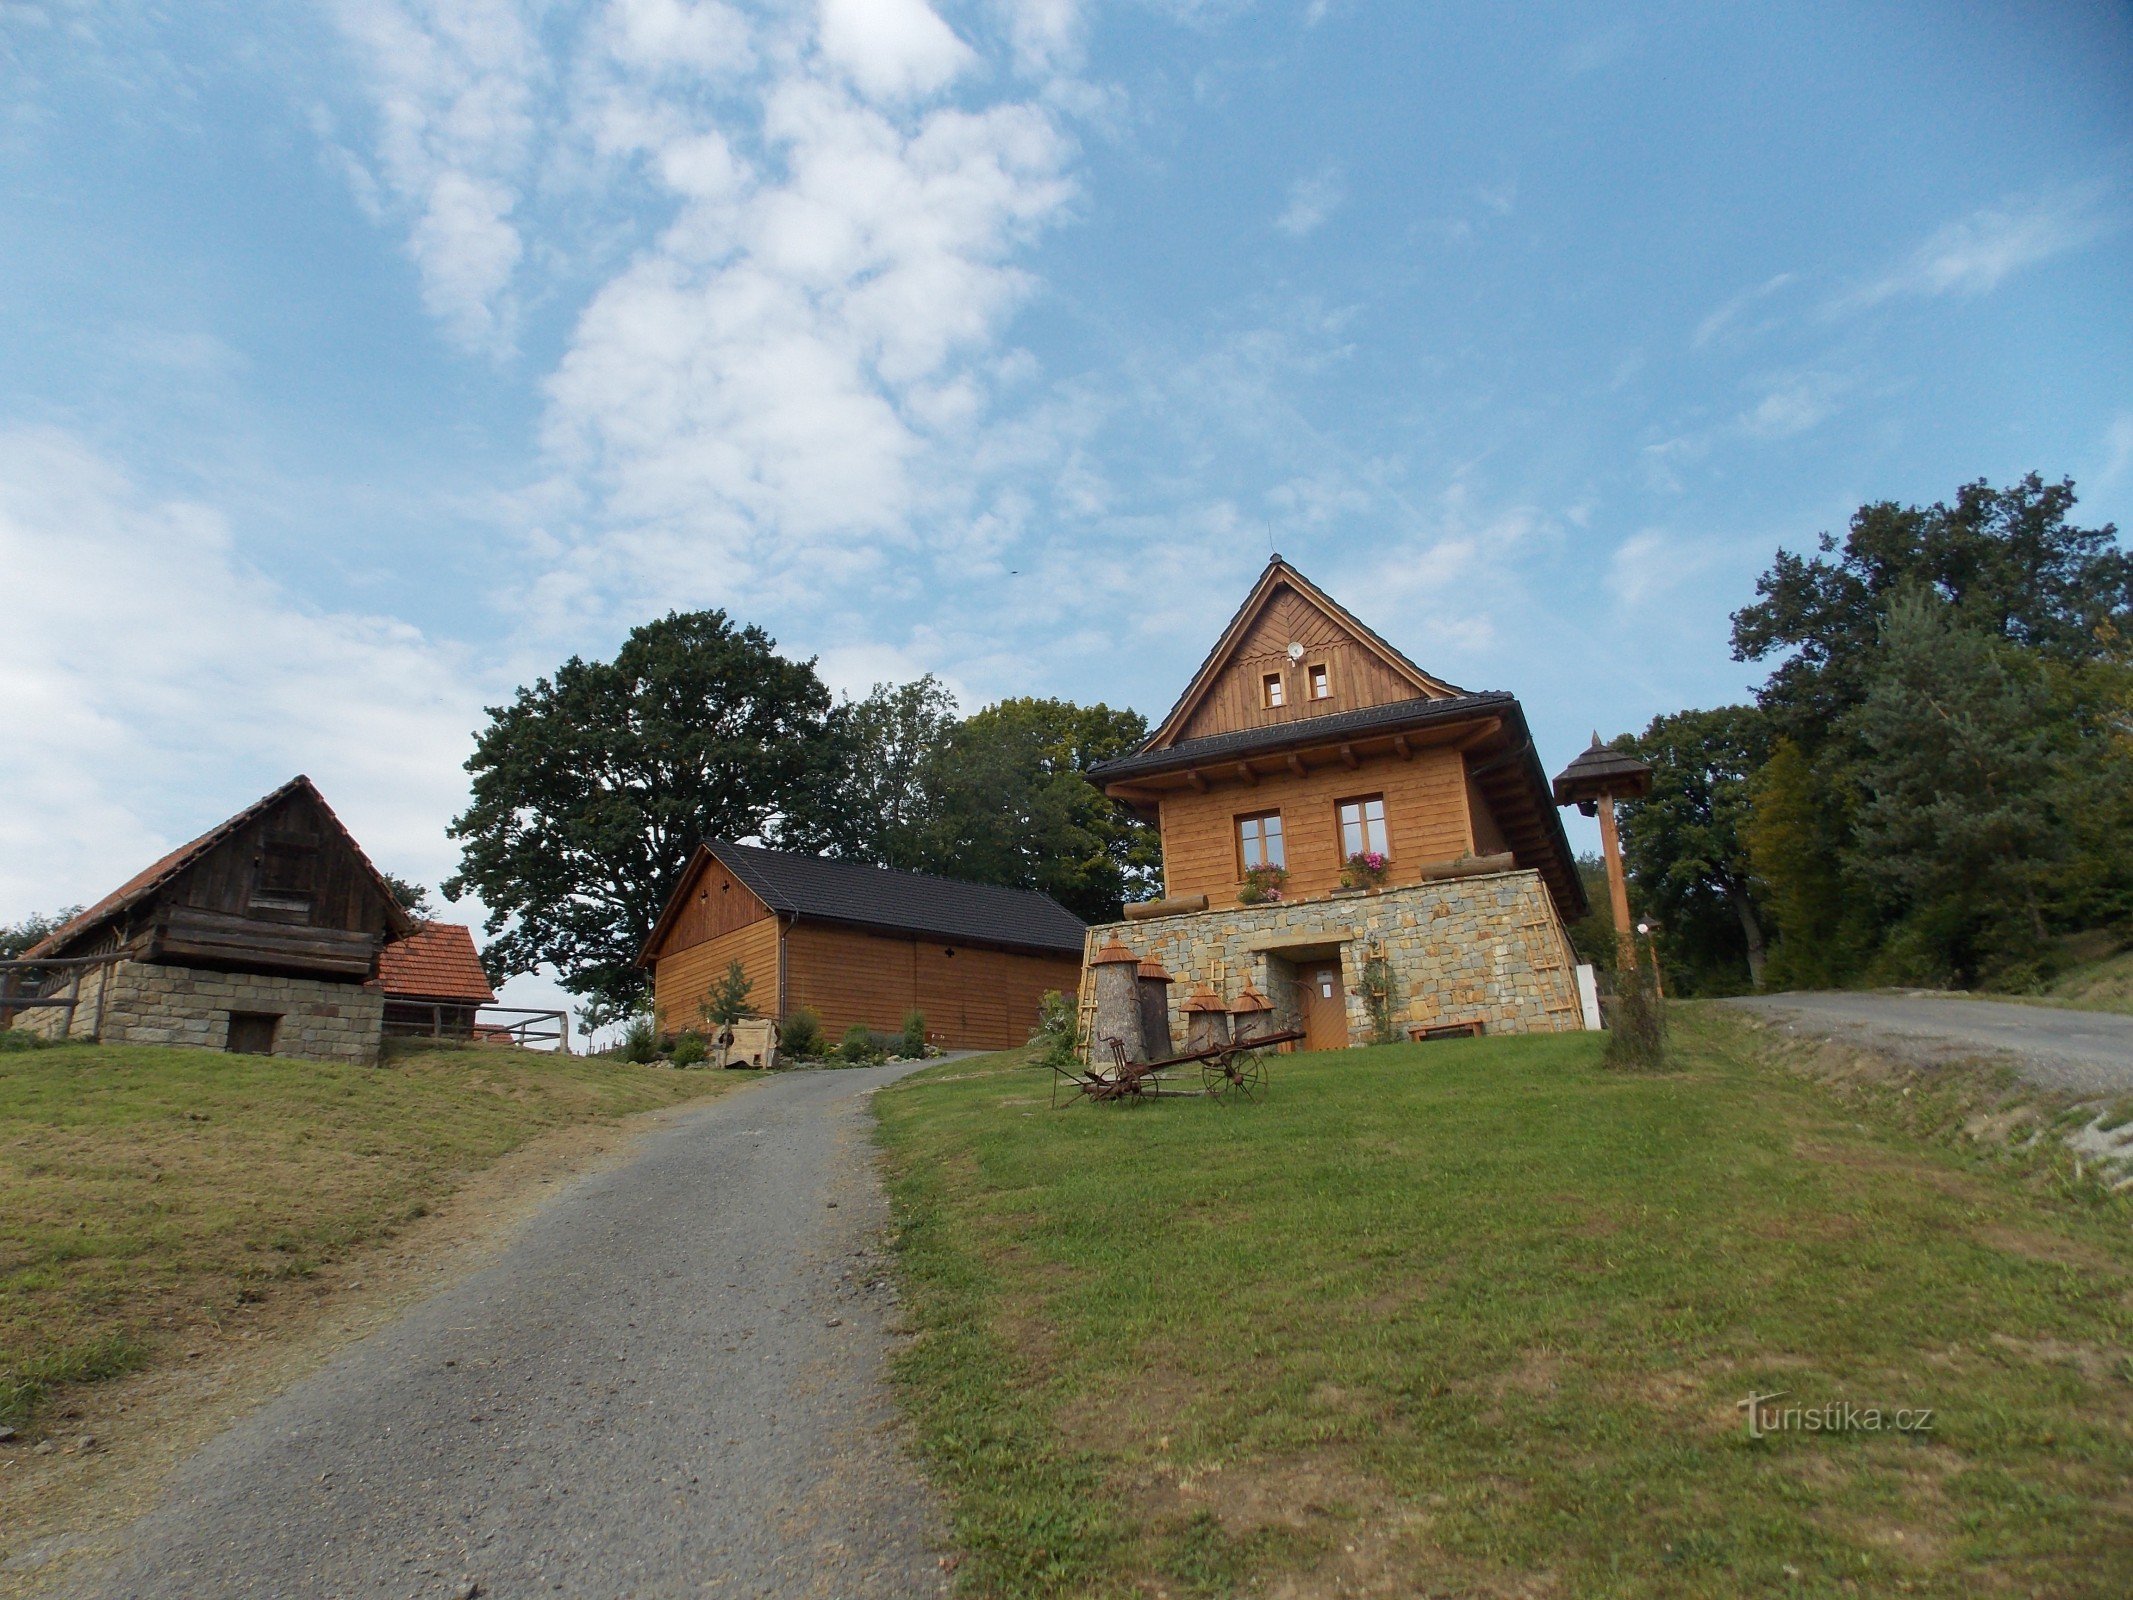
(858, 944)
(1304, 741)
(259, 936)
(433, 982)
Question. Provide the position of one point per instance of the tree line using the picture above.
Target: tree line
(594, 786)
(1934, 782)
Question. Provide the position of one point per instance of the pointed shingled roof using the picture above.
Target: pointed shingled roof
(146, 882)
(1601, 770)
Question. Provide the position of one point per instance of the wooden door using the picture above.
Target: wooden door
(1325, 1006)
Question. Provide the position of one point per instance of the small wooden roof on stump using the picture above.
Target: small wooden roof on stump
(1111, 953)
(1205, 1000)
(1602, 771)
(1252, 1000)
(1152, 972)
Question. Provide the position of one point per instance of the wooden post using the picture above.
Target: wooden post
(1617, 885)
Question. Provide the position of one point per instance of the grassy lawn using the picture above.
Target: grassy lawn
(1475, 1318)
(147, 1192)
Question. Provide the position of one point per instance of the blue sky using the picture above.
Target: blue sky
(361, 359)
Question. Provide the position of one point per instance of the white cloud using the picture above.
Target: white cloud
(1793, 405)
(1977, 253)
(892, 49)
(455, 88)
(2118, 452)
(1311, 201)
(1727, 317)
(157, 665)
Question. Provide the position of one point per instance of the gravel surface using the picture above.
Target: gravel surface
(669, 1383)
(2080, 1052)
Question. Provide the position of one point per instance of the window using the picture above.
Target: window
(1259, 841)
(1321, 682)
(1273, 691)
(251, 1033)
(1363, 826)
(287, 876)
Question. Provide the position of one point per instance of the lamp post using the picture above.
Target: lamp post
(1593, 783)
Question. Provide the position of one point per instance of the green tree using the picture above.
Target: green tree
(866, 798)
(1796, 832)
(728, 1003)
(1684, 844)
(1961, 772)
(1010, 803)
(592, 788)
(2007, 560)
(413, 897)
(16, 937)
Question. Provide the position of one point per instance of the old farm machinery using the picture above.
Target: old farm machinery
(1230, 1066)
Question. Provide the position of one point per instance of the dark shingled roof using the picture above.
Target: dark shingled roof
(901, 902)
(1399, 714)
(1598, 769)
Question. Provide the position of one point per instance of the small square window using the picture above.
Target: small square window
(1273, 690)
(252, 1033)
(1321, 682)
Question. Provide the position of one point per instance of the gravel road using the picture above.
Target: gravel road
(2081, 1052)
(669, 1383)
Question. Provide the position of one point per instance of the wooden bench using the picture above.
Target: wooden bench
(1422, 1033)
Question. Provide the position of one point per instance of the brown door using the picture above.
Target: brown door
(1325, 1007)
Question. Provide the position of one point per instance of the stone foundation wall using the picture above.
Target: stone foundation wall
(1487, 949)
(155, 1004)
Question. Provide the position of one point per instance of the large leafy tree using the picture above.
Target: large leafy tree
(16, 937)
(1685, 843)
(1010, 803)
(867, 799)
(592, 788)
(2007, 560)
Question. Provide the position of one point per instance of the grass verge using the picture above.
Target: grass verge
(146, 1192)
(1477, 1318)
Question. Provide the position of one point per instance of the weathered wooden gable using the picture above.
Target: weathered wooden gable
(1229, 693)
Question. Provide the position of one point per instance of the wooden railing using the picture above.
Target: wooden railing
(33, 985)
(520, 1026)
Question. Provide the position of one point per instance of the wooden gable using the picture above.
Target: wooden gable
(708, 903)
(1230, 692)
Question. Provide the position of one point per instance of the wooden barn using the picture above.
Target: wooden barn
(260, 936)
(860, 944)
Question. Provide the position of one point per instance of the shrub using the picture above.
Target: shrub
(859, 1047)
(912, 1046)
(14, 1039)
(801, 1038)
(689, 1050)
(1637, 1029)
(1057, 1034)
(640, 1040)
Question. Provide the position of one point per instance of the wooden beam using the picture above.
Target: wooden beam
(1406, 750)
(1348, 757)
(1199, 784)
(1488, 730)
(1617, 885)
(1296, 766)
(1244, 771)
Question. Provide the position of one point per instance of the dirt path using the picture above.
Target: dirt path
(2079, 1052)
(668, 1383)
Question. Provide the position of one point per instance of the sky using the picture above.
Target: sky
(361, 360)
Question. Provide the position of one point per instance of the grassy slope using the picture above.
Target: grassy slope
(146, 1191)
(1474, 1318)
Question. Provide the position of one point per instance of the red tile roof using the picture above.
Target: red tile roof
(436, 962)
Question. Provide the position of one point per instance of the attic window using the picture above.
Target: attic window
(1321, 682)
(1273, 692)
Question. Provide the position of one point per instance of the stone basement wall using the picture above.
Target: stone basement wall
(149, 1003)
(1487, 949)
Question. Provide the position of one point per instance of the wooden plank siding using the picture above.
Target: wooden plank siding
(1426, 820)
(975, 999)
(1358, 675)
(684, 976)
(718, 903)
